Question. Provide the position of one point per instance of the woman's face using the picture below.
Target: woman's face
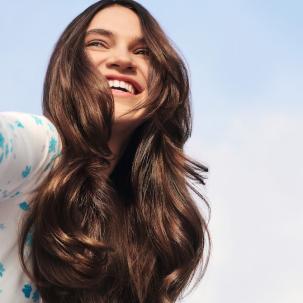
(114, 44)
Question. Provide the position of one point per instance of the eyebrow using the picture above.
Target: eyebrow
(110, 34)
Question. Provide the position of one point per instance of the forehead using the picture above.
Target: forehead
(117, 19)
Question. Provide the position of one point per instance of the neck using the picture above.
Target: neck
(117, 144)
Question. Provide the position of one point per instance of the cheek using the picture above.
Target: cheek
(94, 57)
(146, 71)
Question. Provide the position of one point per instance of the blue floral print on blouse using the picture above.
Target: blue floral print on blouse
(27, 289)
(26, 171)
(29, 144)
(2, 269)
(24, 205)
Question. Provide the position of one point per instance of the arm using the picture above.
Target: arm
(28, 146)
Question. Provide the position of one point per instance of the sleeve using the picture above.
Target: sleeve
(28, 146)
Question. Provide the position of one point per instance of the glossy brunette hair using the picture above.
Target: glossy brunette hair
(138, 235)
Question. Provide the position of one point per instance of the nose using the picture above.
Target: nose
(120, 59)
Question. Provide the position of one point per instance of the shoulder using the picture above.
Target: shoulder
(29, 144)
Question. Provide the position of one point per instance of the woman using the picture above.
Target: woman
(114, 220)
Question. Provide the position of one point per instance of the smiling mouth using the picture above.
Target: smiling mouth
(128, 87)
(122, 92)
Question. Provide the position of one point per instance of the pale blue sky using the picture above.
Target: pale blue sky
(237, 51)
(246, 68)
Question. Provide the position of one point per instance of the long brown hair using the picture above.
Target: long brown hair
(138, 235)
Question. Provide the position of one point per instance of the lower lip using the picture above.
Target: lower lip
(118, 92)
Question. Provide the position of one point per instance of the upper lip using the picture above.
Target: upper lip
(135, 84)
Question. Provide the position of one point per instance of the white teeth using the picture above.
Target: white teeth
(116, 83)
(122, 84)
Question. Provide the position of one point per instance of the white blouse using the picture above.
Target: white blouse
(29, 144)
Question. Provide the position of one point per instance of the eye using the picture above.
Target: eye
(144, 50)
(96, 43)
